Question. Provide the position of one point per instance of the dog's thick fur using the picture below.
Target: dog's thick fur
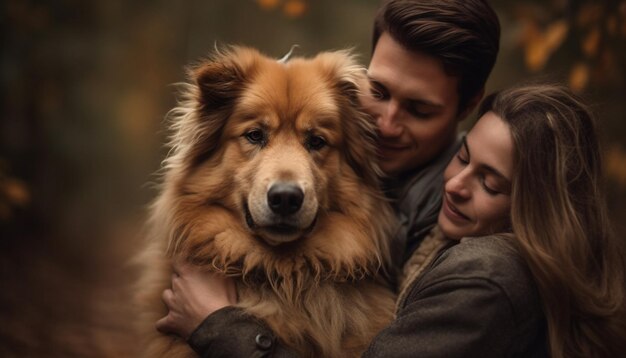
(245, 124)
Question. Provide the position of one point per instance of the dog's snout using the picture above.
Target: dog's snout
(284, 198)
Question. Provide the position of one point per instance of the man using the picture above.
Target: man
(430, 62)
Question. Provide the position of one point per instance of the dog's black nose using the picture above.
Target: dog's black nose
(285, 199)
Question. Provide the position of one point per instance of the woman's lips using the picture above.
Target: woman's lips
(452, 212)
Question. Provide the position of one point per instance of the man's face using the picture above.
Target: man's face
(415, 105)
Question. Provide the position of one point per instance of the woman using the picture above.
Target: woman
(522, 262)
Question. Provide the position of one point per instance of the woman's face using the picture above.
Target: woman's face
(477, 191)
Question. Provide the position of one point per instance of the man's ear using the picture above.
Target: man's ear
(471, 104)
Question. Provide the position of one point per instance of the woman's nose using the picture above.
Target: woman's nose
(457, 186)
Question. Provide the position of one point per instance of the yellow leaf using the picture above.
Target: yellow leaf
(534, 52)
(591, 42)
(578, 77)
(616, 165)
(267, 4)
(536, 55)
(16, 192)
(539, 46)
(555, 34)
(294, 8)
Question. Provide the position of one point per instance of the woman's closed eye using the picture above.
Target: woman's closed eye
(463, 156)
(489, 188)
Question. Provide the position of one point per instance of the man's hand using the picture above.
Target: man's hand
(194, 295)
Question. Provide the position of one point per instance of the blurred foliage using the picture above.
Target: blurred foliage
(581, 43)
(597, 31)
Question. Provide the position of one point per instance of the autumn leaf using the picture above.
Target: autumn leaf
(539, 46)
(294, 8)
(16, 192)
(13, 193)
(267, 4)
(591, 42)
(616, 165)
(578, 77)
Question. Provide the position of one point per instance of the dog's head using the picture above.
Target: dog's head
(278, 145)
(283, 132)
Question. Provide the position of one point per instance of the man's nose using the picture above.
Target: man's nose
(458, 186)
(388, 120)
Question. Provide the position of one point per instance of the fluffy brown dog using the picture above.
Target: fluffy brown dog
(271, 179)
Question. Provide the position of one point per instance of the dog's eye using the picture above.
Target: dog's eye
(315, 142)
(255, 136)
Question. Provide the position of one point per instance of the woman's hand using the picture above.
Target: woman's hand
(194, 295)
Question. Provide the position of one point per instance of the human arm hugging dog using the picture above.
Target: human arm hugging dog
(194, 294)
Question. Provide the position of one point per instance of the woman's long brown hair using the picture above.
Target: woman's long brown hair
(559, 218)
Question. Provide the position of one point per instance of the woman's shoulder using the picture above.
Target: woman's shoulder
(483, 283)
(488, 260)
(494, 258)
(486, 249)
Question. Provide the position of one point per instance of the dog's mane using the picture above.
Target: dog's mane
(254, 261)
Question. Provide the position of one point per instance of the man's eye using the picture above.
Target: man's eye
(315, 142)
(255, 136)
(377, 93)
(419, 114)
(462, 159)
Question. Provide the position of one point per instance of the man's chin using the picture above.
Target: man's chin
(395, 168)
(390, 169)
(393, 162)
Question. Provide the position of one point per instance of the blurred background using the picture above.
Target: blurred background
(86, 86)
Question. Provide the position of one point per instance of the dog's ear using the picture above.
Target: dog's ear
(219, 82)
(359, 128)
(221, 79)
(360, 135)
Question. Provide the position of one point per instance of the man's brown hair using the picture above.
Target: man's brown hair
(463, 34)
